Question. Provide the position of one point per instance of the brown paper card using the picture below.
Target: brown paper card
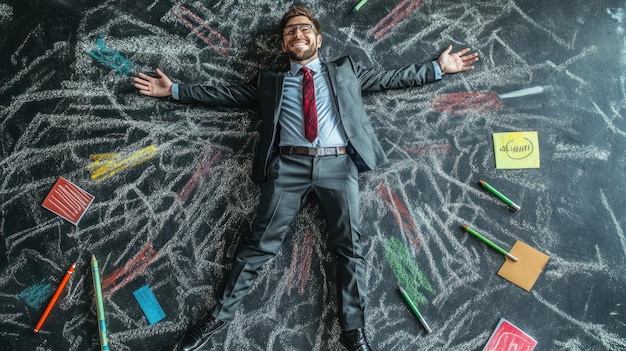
(529, 265)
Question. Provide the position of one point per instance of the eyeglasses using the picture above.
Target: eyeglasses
(305, 28)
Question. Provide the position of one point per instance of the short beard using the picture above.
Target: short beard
(303, 56)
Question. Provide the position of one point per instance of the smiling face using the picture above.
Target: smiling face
(300, 47)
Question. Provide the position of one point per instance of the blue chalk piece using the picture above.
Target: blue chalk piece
(149, 304)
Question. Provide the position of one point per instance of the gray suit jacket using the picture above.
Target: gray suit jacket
(347, 81)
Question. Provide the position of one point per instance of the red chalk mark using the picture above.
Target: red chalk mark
(301, 261)
(396, 15)
(428, 149)
(464, 102)
(399, 212)
(202, 168)
(215, 39)
(129, 271)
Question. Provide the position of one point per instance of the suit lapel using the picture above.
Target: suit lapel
(280, 82)
(332, 73)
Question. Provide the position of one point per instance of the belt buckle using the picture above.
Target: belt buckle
(312, 151)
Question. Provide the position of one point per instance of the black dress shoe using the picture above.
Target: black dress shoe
(200, 333)
(355, 340)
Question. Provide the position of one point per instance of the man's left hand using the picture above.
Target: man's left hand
(458, 61)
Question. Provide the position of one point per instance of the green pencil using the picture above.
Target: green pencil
(102, 327)
(488, 242)
(414, 309)
(358, 6)
(499, 194)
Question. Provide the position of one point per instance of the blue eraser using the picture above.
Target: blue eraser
(149, 304)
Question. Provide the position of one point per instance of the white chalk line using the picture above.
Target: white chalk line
(595, 331)
(618, 228)
(580, 152)
(609, 121)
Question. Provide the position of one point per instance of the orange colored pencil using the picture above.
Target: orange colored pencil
(67, 276)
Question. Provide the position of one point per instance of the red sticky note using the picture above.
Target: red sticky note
(67, 200)
(509, 337)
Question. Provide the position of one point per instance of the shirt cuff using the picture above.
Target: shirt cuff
(175, 91)
(438, 72)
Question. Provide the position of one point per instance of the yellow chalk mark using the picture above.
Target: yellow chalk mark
(100, 157)
(108, 164)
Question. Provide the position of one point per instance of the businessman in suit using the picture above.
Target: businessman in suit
(314, 139)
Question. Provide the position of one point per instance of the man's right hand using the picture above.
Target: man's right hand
(157, 87)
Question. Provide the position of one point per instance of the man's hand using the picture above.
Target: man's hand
(458, 61)
(157, 87)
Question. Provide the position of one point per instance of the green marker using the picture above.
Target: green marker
(358, 6)
(102, 327)
(499, 194)
(414, 309)
(488, 242)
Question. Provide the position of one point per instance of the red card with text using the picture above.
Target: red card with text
(68, 200)
(508, 337)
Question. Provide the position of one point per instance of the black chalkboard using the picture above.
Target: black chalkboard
(173, 194)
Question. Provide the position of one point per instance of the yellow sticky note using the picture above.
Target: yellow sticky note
(530, 263)
(515, 150)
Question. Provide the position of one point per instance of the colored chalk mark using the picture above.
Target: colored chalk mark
(507, 336)
(37, 294)
(299, 274)
(107, 165)
(478, 102)
(467, 102)
(149, 304)
(111, 58)
(215, 40)
(129, 271)
(400, 12)
(400, 213)
(202, 168)
(67, 200)
(406, 270)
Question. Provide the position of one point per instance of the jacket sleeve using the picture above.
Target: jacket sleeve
(414, 75)
(243, 95)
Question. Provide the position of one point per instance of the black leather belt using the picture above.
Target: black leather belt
(313, 151)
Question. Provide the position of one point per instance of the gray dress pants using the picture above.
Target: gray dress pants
(292, 178)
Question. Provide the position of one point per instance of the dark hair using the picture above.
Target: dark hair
(299, 10)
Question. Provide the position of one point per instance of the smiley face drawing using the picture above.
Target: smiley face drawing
(519, 149)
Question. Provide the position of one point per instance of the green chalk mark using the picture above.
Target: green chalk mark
(406, 271)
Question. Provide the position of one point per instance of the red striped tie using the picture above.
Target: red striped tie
(310, 110)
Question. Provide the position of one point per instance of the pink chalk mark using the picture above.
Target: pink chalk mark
(301, 261)
(129, 271)
(467, 102)
(201, 170)
(396, 15)
(400, 213)
(221, 45)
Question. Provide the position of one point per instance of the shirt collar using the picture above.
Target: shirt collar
(315, 66)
